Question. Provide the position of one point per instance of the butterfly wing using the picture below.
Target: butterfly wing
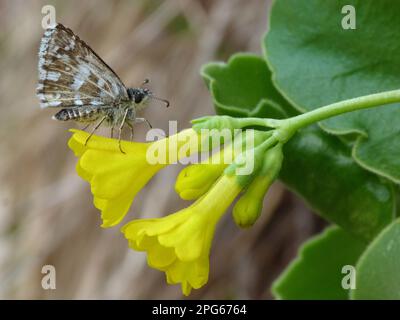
(72, 74)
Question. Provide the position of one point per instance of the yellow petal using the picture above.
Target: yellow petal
(105, 144)
(152, 227)
(194, 273)
(186, 288)
(113, 210)
(158, 257)
(188, 239)
(85, 175)
(76, 146)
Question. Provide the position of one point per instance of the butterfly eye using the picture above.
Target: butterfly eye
(138, 96)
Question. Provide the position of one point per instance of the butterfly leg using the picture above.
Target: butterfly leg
(112, 132)
(120, 130)
(85, 127)
(140, 120)
(95, 128)
(131, 127)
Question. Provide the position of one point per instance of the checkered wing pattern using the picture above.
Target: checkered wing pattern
(71, 74)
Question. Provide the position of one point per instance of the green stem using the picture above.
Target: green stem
(250, 122)
(341, 107)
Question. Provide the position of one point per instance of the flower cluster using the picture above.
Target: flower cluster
(179, 244)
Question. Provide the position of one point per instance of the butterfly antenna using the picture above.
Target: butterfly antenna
(160, 99)
(145, 81)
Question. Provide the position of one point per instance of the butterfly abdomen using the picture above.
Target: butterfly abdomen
(81, 114)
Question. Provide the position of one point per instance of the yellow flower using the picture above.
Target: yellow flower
(179, 244)
(115, 177)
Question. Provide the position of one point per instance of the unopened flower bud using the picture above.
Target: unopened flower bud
(248, 208)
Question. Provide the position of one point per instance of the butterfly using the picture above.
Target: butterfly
(74, 78)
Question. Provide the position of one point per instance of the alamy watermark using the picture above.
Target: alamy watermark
(49, 18)
(210, 146)
(349, 18)
(49, 278)
(349, 280)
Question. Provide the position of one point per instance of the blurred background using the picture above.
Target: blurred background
(46, 210)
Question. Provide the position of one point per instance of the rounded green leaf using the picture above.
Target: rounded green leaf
(315, 61)
(317, 271)
(242, 88)
(378, 269)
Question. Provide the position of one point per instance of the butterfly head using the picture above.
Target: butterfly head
(141, 96)
(138, 95)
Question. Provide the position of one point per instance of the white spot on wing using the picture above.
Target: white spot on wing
(65, 58)
(54, 103)
(84, 71)
(78, 100)
(101, 83)
(50, 104)
(53, 75)
(77, 84)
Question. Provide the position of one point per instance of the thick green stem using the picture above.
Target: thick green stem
(250, 122)
(334, 109)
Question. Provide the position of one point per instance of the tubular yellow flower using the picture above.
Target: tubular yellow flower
(179, 244)
(115, 177)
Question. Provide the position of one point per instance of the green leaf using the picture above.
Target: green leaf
(378, 269)
(316, 62)
(242, 88)
(318, 166)
(317, 271)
